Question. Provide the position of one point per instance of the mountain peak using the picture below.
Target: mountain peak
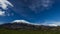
(20, 21)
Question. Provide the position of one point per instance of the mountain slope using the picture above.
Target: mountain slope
(24, 25)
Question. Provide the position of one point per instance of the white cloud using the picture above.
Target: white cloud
(4, 4)
(2, 13)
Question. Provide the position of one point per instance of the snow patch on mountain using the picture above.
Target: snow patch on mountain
(21, 21)
(24, 21)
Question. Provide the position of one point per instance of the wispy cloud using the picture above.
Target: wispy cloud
(47, 3)
(43, 4)
(4, 5)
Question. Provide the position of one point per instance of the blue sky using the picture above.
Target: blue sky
(21, 11)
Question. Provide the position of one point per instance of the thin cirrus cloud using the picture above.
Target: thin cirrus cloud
(47, 3)
(44, 4)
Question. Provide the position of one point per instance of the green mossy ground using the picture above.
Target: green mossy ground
(7, 31)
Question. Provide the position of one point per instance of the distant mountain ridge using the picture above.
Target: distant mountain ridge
(25, 26)
(22, 25)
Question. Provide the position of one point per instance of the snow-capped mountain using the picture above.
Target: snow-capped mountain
(20, 21)
(24, 21)
(25, 25)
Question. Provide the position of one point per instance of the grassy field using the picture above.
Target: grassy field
(5, 31)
